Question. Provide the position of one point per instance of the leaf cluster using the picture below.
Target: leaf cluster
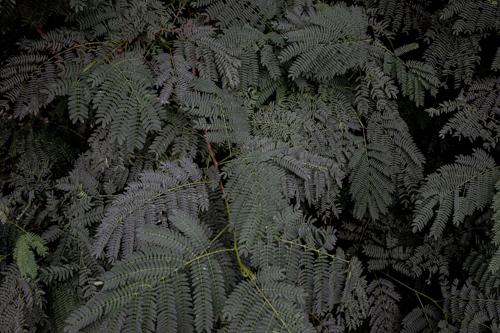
(249, 166)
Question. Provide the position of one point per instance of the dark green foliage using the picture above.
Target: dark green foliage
(22, 306)
(475, 113)
(251, 166)
(459, 189)
(384, 311)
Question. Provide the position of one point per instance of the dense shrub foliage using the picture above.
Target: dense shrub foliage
(250, 166)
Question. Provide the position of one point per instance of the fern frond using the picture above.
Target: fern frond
(124, 100)
(254, 195)
(384, 311)
(433, 257)
(222, 115)
(24, 253)
(370, 179)
(403, 16)
(475, 113)
(156, 192)
(4, 213)
(62, 302)
(495, 64)
(459, 189)
(206, 55)
(334, 42)
(472, 17)
(57, 273)
(389, 130)
(354, 301)
(306, 123)
(414, 76)
(73, 83)
(21, 302)
(134, 19)
(469, 303)
(113, 302)
(206, 273)
(177, 260)
(452, 54)
(381, 256)
(265, 304)
(230, 13)
(494, 266)
(478, 264)
(423, 319)
(26, 78)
